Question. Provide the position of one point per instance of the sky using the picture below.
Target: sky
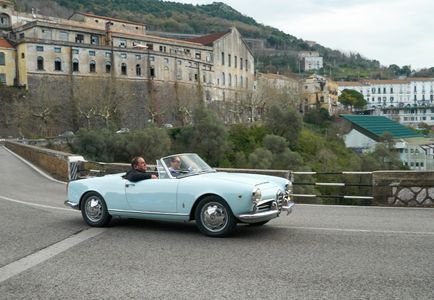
(397, 32)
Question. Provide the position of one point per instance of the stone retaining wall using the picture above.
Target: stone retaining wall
(403, 188)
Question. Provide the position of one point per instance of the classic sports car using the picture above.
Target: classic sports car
(194, 191)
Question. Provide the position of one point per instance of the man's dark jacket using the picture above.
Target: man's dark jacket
(134, 175)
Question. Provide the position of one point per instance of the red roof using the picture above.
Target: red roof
(5, 44)
(208, 40)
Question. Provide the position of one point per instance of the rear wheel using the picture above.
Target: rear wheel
(94, 210)
(214, 217)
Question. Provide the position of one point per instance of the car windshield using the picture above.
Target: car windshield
(181, 165)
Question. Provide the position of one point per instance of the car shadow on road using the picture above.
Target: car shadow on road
(243, 231)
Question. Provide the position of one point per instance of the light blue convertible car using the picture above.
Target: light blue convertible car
(217, 201)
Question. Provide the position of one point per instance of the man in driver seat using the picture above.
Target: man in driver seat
(138, 170)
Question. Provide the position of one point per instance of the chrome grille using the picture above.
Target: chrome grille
(266, 205)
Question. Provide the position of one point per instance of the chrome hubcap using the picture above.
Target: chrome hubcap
(93, 209)
(214, 216)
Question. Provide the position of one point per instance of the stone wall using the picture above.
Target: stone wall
(403, 188)
(53, 162)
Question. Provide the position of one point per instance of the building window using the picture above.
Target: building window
(223, 58)
(123, 43)
(79, 38)
(162, 48)
(94, 40)
(247, 86)
(223, 78)
(74, 51)
(123, 55)
(108, 55)
(91, 53)
(124, 69)
(150, 46)
(40, 48)
(92, 66)
(152, 72)
(138, 70)
(166, 60)
(57, 49)
(235, 61)
(75, 65)
(64, 36)
(391, 90)
(138, 57)
(197, 55)
(241, 81)
(241, 63)
(40, 63)
(229, 80)
(2, 78)
(235, 80)
(108, 67)
(229, 60)
(57, 64)
(2, 58)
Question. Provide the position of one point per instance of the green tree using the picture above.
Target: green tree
(207, 136)
(286, 123)
(352, 98)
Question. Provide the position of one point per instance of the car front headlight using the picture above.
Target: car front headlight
(256, 195)
(288, 187)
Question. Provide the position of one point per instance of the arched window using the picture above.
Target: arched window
(57, 64)
(230, 80)
(138, 70)
(241, 81)
(75, 65)
(2, 58)
(108, 67)
(124, 69)
(223, 79)
(92, 66)
(40, 63)
(235, 80)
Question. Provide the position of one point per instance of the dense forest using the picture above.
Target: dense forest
(203, 19)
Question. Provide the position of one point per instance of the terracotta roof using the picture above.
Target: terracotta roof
(208, 40)
(4, 44)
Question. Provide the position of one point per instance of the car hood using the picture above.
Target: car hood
(243, 178)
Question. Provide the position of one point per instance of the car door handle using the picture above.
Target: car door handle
(129, 184)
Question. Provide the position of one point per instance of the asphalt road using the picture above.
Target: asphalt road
(318, 252)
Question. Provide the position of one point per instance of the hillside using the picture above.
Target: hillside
(215, 17)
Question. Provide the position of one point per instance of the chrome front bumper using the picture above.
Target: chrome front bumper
(72, 205)
(267, 215)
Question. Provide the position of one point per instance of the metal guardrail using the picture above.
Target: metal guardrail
(331, 184)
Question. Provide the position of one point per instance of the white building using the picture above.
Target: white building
(415, 151)
(408, 101)
(310, 60)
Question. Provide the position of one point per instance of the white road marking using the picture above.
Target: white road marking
(35, 204)
(357, 230)
(36, 258)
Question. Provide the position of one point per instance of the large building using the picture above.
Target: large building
(39, 52)
(409, 101)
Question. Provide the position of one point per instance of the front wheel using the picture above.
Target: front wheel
(94, 210)
(214, 217)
